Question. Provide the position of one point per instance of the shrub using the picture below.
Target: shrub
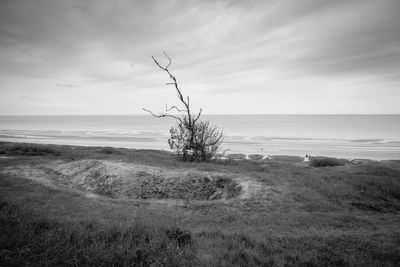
(196, 142)
(325, 162)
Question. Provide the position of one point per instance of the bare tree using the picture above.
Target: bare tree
(190, 138)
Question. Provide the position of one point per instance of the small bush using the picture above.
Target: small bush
(107, 150)
(195, 140)
(325, 162)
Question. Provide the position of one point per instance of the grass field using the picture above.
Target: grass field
(64, 205)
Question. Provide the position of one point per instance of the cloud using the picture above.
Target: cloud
(67, 85)
(353, 40)
(218, 48)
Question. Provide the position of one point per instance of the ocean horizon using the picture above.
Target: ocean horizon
(344, 136)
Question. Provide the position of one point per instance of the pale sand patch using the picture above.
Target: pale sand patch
(91, 195)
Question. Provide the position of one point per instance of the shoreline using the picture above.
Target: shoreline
(225, 155)
(349, 137)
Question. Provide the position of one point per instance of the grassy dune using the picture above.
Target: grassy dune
(112, 206)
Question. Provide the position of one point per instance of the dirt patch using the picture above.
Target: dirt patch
(256, 157)
(236, 156)
(123, 180)
(286, 158)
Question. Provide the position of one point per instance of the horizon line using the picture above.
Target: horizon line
(204, 114)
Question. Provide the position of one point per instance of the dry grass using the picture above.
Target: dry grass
(33, 239)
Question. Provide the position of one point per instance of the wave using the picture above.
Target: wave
(371, 140)
(24, 136)
(77, 133)
(310, 139)
(161, 136)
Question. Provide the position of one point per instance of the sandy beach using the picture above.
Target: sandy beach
(341, 136)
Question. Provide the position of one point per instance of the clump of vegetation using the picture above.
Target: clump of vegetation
(191, 139)
(29, 150)
(192, 186)
(28, 239)
(325, 162)
(109, 150)
(198, 144)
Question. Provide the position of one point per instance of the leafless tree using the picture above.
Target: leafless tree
(191, 138)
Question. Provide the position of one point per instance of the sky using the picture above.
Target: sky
(231, 57)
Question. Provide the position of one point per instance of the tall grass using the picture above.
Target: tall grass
(28, 239)
(302, 215)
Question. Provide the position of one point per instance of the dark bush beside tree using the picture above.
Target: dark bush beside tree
(325, 162)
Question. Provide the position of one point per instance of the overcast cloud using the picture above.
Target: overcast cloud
(93, 57)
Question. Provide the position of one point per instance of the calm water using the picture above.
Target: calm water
(348, 136)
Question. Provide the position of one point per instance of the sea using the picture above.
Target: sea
(344, 136)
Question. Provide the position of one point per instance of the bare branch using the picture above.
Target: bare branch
(163, 115)
(198, 116)
(170, 60)
(158, 64)
(172, 77)
(217, 140)
(174, 107)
